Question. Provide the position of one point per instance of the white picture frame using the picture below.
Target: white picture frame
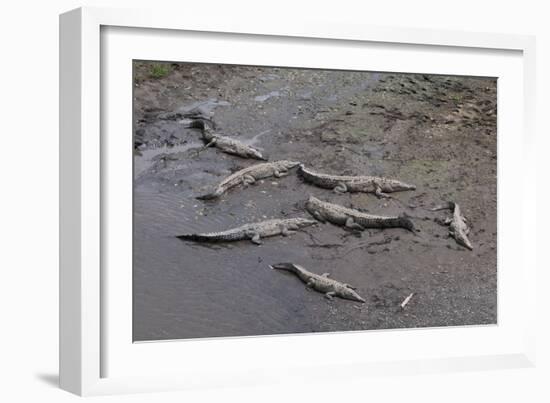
(96, 356)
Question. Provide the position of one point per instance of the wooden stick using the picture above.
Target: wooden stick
(406, 300)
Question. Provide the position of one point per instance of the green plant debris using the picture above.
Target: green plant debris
(159, 70)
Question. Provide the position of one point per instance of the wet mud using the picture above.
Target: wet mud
(437, 132)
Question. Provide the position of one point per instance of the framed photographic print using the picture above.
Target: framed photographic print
(235, 196)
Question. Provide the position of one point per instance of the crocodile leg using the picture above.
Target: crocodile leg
(442, 207)
(353, 225)
(378, 192)
(211, 143)
(279, 173)
(319, 216)
(340, 188)
(286, 232)
(325, 274)
(310, 283)
(466, 225)
(329, 295)
(349, 286)
(256, 239)
(248, 180)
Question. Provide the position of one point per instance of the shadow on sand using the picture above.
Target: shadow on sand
(50, 379)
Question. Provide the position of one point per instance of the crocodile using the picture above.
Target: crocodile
(250, 175)
(366, 184)
(458, 226)
(224, 143)
(321, 283)
(254, 232)
(352, 218)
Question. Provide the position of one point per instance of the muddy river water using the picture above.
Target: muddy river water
(436, 132)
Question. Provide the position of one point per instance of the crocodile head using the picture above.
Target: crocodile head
(350, 294)
(304, 222)
(459, 231)
(463, 240)
(393, 185)
(288, 164)
(312, 203)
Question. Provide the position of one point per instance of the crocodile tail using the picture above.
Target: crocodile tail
(196, 124)
(212, 195)
(191, 237)
(198, 120)
(284, 266)
(198, 237)
(406, 222)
